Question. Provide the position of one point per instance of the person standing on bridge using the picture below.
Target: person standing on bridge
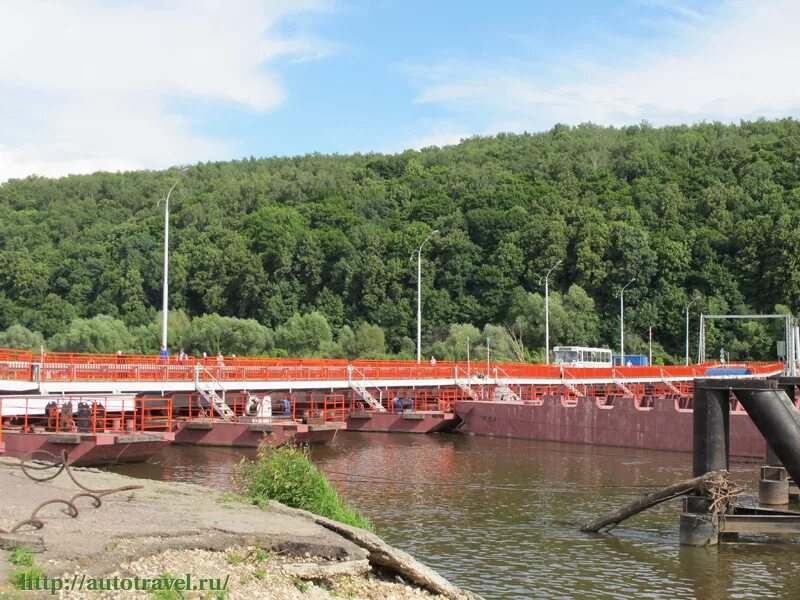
(163, 354)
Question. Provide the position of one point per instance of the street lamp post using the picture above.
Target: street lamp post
(547, 311)
(419, 295)
(622, 322)
(468, 369)
(165, 300)
(686, 310)
(487, 356)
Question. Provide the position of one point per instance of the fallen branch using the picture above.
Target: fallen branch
(715, 485)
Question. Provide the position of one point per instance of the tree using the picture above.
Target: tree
(459, 337)
(101, 334)
(21, 338)
(304, 335)
(367, 341)
(229, 335)
(711, 209)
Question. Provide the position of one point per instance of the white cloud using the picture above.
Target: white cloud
(438, 134)
(87, 84)
(738, 62)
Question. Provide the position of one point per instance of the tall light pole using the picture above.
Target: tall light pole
(547, 311)
(622, 322)
(419, 295)
(165, 300)
(686, 310)
(487, 356)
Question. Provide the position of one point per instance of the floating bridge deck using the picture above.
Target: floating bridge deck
(42, 392)
(65, 373)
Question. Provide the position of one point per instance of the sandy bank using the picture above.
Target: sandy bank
(158, 528)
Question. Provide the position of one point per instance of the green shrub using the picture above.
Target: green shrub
(287, 475)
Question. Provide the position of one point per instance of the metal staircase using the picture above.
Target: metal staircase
(620, 385)
(360, 388)
(570, 386)
(503, 391)
(670, 385)
(464, 385)
(208, 391)
(468, 390)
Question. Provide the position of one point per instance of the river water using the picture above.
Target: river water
(501, 516)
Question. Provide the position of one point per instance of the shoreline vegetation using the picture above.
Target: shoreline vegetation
(166, 530)
(287, 475)
(309, 256)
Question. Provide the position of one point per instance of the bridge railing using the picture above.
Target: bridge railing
(15, 365)
(67, 367)
(84, 414)
(404, 369)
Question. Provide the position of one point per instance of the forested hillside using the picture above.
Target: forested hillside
(317, 249)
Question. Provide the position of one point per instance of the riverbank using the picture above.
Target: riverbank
(181, 529)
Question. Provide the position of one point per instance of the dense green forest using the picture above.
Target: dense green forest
(312, 255)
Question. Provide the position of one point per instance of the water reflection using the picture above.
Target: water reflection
(501, 516)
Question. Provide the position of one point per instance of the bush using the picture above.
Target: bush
(287, 475)
(102, 334)
(22, 338)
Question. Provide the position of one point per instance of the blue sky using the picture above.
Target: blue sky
(124, 84)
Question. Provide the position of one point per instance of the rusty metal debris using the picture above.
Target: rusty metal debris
(30, 466)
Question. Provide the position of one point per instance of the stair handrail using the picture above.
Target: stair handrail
(202, 368)
(668, 383)
(354, 369)
(467, 377)
(509, 381)
(621, 383)
(574, 384)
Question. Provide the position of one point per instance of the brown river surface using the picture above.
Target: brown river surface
(501, 516)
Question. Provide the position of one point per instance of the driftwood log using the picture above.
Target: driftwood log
(709, 484)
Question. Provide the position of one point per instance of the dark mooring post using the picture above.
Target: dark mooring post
(711, 449)
(773, 486)
(788, 385)
(778, 421)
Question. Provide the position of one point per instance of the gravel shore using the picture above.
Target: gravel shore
(179, 528)
(253, 574)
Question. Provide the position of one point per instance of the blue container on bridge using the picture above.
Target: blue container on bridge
(727, 371)
(631, 360)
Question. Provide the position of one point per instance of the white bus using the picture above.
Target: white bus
(580, 356)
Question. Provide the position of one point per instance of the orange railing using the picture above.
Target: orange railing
(16, 365)
(85, 414)
(67, 367)
(299, 407)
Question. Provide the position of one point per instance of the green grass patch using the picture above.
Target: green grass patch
(300, 584)
(167, 591)
(286, 474)
(234, 558)
(20, 557)
(21, 577)
(25, 568)
(261, 555)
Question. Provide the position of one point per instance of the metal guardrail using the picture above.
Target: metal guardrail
(77, 367)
